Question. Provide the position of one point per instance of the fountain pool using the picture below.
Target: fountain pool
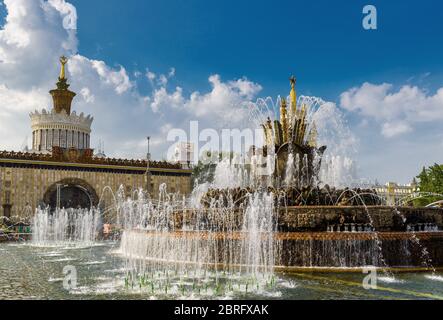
(37, 273)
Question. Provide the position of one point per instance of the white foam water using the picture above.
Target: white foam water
(211, 249)
(390, 280)
(65, 226)
(434, 277)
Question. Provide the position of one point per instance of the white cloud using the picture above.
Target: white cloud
(397, 112)
(87, 95)
(31, 39)
(224, 101)
(116, 78)
(151, 76)
(221, 107)
(15, 106)
(162, 101)
(392, 129)
(159, 80)
(171, 73)
(162, 80)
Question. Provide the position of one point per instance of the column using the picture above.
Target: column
(39, 140)
(52, 138)
(47, 139)
(69, 138)
(63, 138)
(43, 140)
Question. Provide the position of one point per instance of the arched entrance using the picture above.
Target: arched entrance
(71, 193)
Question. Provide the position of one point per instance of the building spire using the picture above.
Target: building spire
(61, 96)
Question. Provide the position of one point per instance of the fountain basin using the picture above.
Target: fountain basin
(319, 218)
(294, 251)
(293, 236)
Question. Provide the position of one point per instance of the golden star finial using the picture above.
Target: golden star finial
(293, 81)
(63, 61)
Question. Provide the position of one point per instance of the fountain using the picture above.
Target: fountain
(277, 216)
(65, 227)
(265, 213)
(207, 247)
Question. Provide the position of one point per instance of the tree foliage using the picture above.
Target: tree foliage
(430, 180)
(204, 171)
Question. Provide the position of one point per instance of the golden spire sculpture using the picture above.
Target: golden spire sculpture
(284, 120)
(295, 124)
(267, 128)
(63, 61)
(302, 127)
(293, 95)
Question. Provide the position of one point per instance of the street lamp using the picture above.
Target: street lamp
(148, 156)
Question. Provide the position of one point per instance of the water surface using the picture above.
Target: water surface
(28, 272)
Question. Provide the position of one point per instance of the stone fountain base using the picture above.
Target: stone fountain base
(320, 238)
(357, 250)
(329, 251)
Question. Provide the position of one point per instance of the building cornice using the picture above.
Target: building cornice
(44, 118)
(100, 163)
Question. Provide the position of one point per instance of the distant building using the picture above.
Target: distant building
(61, 169)
(394, 192)
(184, 153)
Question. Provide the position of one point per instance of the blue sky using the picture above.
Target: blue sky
(322, 42)
(390, 77)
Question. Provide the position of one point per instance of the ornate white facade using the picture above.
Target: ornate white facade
(394, 193)
(52, 129)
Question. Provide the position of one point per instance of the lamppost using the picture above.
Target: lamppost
(148, 172)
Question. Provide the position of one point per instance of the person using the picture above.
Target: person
(107, 228)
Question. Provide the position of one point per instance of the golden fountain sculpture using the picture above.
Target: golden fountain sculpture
(293, 125)
(294, 133)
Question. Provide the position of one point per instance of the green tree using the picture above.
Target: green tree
(204, 171)
(430, 180)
